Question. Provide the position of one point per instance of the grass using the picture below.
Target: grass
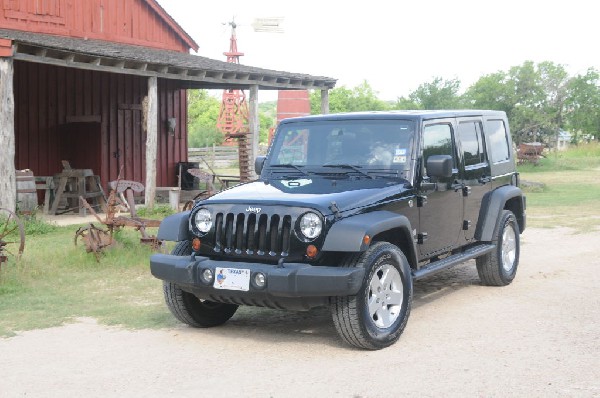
(563, 189)
(56, 282)
(158, 212)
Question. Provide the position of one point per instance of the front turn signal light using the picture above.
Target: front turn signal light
(311, 251)
(196, 244)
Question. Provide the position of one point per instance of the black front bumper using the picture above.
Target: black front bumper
(290, 280)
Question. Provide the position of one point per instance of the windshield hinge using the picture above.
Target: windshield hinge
(335, 209)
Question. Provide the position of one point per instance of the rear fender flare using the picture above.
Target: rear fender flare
(491, 208)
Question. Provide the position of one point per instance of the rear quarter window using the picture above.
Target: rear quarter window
(498, 138)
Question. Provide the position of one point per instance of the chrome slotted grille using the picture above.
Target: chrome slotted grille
(252, 234)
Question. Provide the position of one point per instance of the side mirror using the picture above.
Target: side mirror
(258, 164)
(439, 166)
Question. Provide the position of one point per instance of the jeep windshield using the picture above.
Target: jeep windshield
(367, 148)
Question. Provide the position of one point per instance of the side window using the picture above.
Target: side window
(498, 140)
(437, 140)
(471, 140)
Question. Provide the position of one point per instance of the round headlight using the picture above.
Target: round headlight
(311, 225)
(203, 220)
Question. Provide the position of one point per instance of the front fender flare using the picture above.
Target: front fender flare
(175, 227)
(347, 235)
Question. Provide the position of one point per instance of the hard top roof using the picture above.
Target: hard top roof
(408, 114)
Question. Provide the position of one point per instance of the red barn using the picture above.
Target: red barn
(97, 82)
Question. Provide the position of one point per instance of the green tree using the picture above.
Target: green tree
(491, 92)
(342, 99)
(203, 112)
(583, 104)
(438, 94)
(534, 98)
(267, 115)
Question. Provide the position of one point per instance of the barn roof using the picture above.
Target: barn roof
(192, 71)
(172, 24)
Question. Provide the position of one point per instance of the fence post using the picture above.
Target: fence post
(213, 155)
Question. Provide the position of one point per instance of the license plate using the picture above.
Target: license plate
(232, 279)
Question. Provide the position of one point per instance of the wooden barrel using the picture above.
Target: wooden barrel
(26, 193)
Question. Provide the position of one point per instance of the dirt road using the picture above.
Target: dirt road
(539, 337)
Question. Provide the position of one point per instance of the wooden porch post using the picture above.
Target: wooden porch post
(254, 126)
(8, 184)
(151, 141)
(325, 101)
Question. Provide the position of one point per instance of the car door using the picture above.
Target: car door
(440, 202)
(475, 171)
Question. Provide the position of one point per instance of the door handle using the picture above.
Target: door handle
(484, 179)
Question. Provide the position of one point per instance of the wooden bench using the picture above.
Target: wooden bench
(46, 184)
(75, 183)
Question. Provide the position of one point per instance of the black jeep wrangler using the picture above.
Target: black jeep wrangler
(349, 209)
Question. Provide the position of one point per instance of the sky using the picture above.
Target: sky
(396, 45)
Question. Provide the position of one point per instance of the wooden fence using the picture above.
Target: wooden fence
(216, 156)
(219, 156)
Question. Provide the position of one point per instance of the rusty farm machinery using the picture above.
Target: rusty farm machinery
(120, 199)
(12, 235)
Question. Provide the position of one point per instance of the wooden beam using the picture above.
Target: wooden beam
(325, 101)
(151, 141)
(8, 183)
(197, 78)
(254, 125)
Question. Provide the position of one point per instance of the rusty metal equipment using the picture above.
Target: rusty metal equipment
(94, 239)
(233, 114)
(12, 242)
(120, 198)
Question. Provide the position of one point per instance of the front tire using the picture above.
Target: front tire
(375, 317)
(499, 267)
(190, 309)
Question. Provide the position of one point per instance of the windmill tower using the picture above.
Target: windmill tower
(233, 115)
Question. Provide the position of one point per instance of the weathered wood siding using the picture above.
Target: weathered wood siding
(51, 102)
(124, 21)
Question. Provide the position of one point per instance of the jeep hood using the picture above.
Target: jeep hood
(317, 193)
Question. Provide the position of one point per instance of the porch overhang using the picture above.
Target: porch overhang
(191, 71)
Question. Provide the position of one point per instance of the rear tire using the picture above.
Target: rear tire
(188, 308)
(499, 267)
(376, 316)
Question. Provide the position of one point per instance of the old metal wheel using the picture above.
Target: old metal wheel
(12, 235)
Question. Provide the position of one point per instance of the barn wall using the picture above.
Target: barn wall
(122, 21)
(52, 100)
(172, 149)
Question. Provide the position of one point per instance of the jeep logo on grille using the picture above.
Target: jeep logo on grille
(251, 209)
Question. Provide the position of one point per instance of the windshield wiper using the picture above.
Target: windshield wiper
(293, 166)
(349, 166)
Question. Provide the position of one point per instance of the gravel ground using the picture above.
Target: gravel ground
(538, 337)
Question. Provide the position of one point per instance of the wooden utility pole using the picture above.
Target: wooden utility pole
(254, 126)
(151, 141)
(325, 101)
(8, 185)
